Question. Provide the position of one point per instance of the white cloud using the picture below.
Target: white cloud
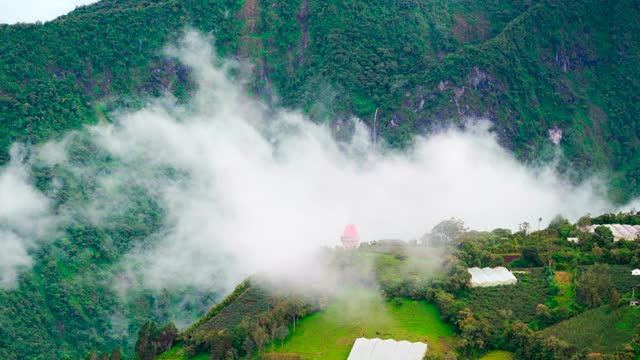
(25, 219)
(13, 258)
(29, 11)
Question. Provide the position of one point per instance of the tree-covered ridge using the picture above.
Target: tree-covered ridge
(529, 66)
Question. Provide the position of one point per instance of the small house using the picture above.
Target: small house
(635, 272)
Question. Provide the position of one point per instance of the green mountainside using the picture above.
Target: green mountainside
(528, 66)
(77, 298)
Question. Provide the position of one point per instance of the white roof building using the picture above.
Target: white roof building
(376, 349)
(635, 272)
(620, 231)
(491, 276)
(574, 240)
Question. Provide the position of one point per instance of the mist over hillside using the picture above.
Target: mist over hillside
(244, 190)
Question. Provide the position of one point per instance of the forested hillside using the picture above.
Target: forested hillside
(77, 297)
(528, 66)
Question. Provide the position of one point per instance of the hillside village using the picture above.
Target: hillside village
(551, 299)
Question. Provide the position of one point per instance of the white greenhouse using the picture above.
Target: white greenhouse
(491, 276)
(621, 231)
(376, 349)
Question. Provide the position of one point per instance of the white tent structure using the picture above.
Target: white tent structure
(491, 276)
(376, 349)
(620, 231)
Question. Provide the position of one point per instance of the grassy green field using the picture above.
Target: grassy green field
(599, 330)
(566, 291)
(498, 355)
(330, 334)
(177, 353)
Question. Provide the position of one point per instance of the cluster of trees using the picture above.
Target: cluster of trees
(547, 246)
(230, 331)
(593, 287)
(252, 335)
(630, 218)
(474, 330)
(153, 341)
(478, 334)
(527, 344)
(115, 355)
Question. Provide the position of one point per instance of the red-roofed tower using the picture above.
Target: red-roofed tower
(350, 238)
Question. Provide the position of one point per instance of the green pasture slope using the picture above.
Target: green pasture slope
(498, 355)
(178, 353)
(361, 313)
(599, 330)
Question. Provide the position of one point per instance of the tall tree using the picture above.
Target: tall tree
(281, 333)
(260, 337)
(248, 346)
(444, 233)
(593, 286)
(614, 299)
(116, 354)
(602, 236)
(94, 355)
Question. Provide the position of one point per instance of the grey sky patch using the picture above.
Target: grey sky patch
(30, 11)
